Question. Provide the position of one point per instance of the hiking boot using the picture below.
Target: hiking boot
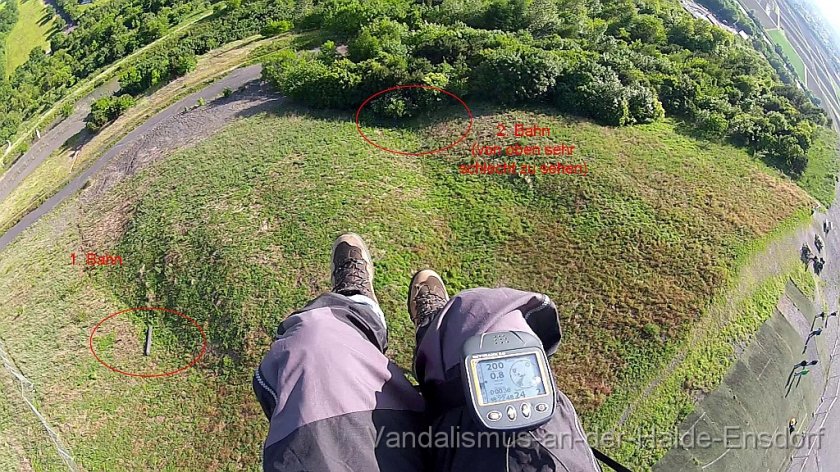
(351, 267)
(426, 297)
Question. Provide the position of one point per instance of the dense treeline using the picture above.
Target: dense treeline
(618, 62)
(8, 18)
(729, 12)
(104, 34)
(177, 56)
(108, 32)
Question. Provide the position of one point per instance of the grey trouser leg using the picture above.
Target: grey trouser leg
(559, 445)
(331, 394)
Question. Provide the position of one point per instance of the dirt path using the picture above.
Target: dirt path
(144, 137)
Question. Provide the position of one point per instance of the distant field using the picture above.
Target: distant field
(236, 233)
(781, 39)
(32, 30)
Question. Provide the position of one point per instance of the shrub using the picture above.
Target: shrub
(507, 15)
(315, 83)
(643, 105)
(383, 36)
(273, 28)
(107, 109)
(66, 109)
(515, 75)
(647, 28)
(652, 330)
(605, 101)
(711, 124)
(348, 17)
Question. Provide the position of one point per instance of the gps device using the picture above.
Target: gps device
(507, 380)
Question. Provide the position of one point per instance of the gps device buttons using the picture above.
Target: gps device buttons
(494, 416)
(541, 407)
(511, 413)
(526, 410)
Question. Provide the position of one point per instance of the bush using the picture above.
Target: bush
(107, 109)
(605, 101)
(383, 36)
(595, 91)
(273, 28)
(315, 83)
(515, 75)
(66, 109)
(652, 330)
(643, 105)
(711, 124)
(348, 17)
(648, 29)
(506, 15)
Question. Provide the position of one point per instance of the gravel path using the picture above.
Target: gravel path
(151, 140)
(52, 139)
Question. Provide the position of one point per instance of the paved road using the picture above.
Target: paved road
(52, 139)
(234, 80)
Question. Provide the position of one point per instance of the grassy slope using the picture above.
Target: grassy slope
(18, 451)
(823, 167)
(33, 29)
(778, 36)
(236, 234)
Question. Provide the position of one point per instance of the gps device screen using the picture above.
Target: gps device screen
(509, 378)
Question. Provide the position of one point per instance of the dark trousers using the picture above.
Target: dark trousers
(336, 402)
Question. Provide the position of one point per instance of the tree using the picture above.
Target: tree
(181, 63)
(383, 36)
(788, 150)
(648, 29)
(679, 94)
(507, 15)
(107, 109)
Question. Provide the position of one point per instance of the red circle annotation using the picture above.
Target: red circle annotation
(413, 86)
(192, 363)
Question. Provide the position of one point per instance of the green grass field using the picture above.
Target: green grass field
(778, 36)
(236, 233)
(823, 165)
(32, 30)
